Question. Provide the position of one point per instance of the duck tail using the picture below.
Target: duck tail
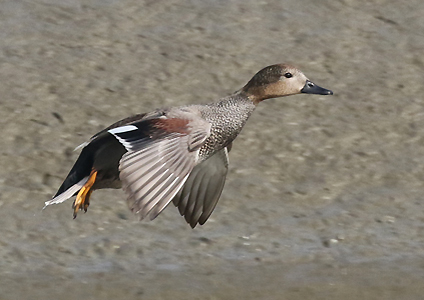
(67, 194)
(76, 178)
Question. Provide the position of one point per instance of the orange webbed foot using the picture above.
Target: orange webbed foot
(83, 197)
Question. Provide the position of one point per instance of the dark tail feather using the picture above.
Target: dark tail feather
(80, 170)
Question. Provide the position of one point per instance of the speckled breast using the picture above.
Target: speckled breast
(227, 118)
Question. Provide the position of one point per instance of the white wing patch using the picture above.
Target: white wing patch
(161, 155)
(122, 129)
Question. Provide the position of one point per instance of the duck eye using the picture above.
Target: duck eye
(288, 75)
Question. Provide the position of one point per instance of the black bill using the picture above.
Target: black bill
(312, 88)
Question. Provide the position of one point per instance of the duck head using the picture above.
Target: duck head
(279, 81)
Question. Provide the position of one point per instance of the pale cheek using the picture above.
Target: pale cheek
(293, 87)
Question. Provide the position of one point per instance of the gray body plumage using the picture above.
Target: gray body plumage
(227, 118)
(178, 154)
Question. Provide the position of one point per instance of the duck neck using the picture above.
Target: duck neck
(255, 94)
(238, 105)
(230, 114)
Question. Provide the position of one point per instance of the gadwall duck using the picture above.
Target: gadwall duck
(177, 154)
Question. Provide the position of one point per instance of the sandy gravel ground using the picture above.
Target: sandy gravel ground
(324, 198)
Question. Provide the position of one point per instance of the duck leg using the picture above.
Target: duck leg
(83, 198)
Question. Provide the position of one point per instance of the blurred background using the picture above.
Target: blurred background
(324, 196)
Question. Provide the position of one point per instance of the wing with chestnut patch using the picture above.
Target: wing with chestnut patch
(161, 155)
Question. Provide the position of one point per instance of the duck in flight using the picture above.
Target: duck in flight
(177, 154)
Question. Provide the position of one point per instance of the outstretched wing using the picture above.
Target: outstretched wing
(200, 193)
(161, 155)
